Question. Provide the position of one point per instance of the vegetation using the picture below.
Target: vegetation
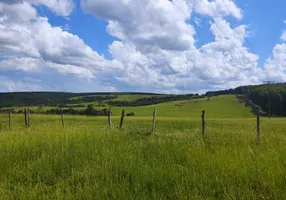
(56, 98)
(153, 100)
(259, 95)
(87, 161)
(91, 98)
(130, 114)
(226, 106)
(89, 111)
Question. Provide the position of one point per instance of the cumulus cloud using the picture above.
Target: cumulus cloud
(275, 66)
(283, 37)
(59, 7)
(157, 44)
(155, 49)
(29, 42)
(145, 22)
(217, 8)
(27, 84)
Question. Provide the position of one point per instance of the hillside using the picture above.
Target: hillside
(62, 98)
(256, 96)
(223, 106)
(264, 96)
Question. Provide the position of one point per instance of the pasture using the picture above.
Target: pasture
(86, 160)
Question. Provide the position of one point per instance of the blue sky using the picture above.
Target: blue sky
(140, 45)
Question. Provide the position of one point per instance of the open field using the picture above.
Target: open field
(85, 160)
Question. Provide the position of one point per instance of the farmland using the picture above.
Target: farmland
(87, 160)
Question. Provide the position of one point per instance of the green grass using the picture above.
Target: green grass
(85, 160)
(225, 106)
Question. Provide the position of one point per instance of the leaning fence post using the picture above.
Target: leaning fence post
(9, 116)
(122, 118)
(203, 123)
(109, 118)
(28, 117)
(258, 127)
(154, 120)
(62, 118)
(25, 115)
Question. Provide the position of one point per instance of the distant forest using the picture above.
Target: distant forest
(265, 96)
(56, 98)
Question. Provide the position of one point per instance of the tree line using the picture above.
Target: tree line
(56, 98)
(154, 100)
(265, 96)
(89, 111)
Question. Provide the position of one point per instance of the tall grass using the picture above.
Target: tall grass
(87, 161)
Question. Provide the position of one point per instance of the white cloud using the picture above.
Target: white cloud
(155, 50)
(157, 44)
(25, 64)
(155, 23)
(283, 37)
(217, 8)
(197, 21)
(27, 84)
(29, 43)
(59, 7)
(275, 66)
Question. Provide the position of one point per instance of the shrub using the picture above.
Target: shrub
(130, 114)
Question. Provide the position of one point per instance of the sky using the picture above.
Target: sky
(160, 46)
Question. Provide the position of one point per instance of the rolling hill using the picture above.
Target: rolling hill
(223, 106)
(260, 98)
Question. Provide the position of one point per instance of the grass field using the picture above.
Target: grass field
(226, 106)
(86, 160)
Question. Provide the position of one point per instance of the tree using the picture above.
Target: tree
(90, 110)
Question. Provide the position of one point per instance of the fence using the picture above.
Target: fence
(27, 121)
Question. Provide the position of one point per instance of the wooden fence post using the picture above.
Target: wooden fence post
(25, 115)
(154, 120)
(203, 123)
(109, 118)
(62, 118)
(9, 116)
(258, 127)
(122, 118)
(28, 118)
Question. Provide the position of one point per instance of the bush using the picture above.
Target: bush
(130, 114)
(90, 111)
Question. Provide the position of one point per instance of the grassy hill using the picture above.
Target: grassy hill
(264, 97)
(257, 96)
(224, 106)
(57, 98)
